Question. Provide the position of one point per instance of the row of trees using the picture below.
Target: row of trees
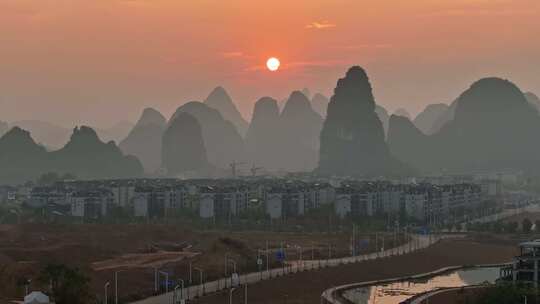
(506, 227)
(508, 294)
(65, 285)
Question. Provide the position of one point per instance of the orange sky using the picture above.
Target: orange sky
(102, 61)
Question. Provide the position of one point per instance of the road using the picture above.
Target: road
(417, 242)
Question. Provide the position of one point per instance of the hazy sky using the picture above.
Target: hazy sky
(102, 61)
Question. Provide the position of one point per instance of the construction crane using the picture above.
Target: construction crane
(254, 170)
(234, 167)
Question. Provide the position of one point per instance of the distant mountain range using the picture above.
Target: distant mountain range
(144, 140)
(84, 156)
(432, 118)
(220, 100)
(491, 126)
(53, 136)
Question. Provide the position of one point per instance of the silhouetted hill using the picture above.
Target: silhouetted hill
(4, 127)
(144, 140)
(405, 141)
(300, 129)
(21, 159)
(86, 156)
(183, 148)
(403, 112)
(444, 118)
(319, 102)
(426, 120)
(533, 100)
(117, 132)
(220, 100)
(222, 141)
(352, 138)
(383, 117)
(263, 136)
(48, 134)
(494, 128)
(306, 93)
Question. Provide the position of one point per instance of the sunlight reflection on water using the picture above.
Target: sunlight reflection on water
(395, 293)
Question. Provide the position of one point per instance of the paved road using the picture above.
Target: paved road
(417, 242)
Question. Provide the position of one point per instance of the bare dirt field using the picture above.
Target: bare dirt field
(307, 287)
(135, 250)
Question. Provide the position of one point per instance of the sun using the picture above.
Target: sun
(272, 64)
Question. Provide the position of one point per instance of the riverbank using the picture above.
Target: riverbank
(306, 287)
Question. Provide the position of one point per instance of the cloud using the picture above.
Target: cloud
(320, 25)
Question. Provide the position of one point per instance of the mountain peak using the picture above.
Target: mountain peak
(319, 103)
(403, 112)
(220, 100)
(18, 142)
(19, 136)
(428, 118)
(352, 138)
(151, 116)
(183, 147)
(490, 97)
(297, 102)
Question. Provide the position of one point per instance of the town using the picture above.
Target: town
(435, 201)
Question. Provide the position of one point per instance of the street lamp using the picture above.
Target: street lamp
(106, 293)
(181, 288)
(175, 293)
(230, 294)
(233, 262)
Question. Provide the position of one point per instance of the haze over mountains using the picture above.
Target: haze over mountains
(84, 156)
(53, 136)
(430, 117)
(183, 147)
(144, 140)
(263, 135)
(491, 126)
(223, 143)
(220, 100)
(494, 128)
(352, 138)
(299, 129)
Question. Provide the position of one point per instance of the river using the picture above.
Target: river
(395, 293)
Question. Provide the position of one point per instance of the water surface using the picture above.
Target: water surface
(394, 293)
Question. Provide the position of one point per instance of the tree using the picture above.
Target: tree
(511, 227)
(50, 178)
(526, 225)
(69, 285)
(506, 294)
